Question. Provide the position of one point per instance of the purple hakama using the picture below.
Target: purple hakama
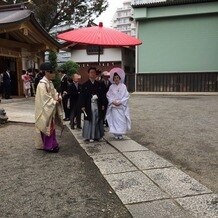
(49, 142)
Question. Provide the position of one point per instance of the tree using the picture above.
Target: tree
(53, 60)
(70, 67)
(54, 12)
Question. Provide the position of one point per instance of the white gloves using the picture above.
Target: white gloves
(94, 97)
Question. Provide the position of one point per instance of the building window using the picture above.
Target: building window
(94, 49)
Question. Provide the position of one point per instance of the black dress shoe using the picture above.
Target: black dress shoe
(66, 119)
(54, 150)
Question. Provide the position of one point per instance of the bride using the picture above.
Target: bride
(117, 116)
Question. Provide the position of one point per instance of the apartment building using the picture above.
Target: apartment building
(123, 21)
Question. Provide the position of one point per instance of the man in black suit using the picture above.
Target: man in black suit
(1, 85)
(7, 84)
(64, 94)
(74, 89)
(105, 84)
(92, 104)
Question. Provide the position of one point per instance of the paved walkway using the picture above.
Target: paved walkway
(147, 184)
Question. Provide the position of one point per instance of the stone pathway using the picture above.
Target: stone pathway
(147, 184)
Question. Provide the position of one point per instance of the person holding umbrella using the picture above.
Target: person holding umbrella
(63, 92)
(105, 83)
(92, 105)
(117, 116)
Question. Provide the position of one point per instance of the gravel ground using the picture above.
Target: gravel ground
(38, 184)
(182, 129)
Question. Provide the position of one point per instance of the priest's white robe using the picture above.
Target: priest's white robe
(46, 108)
(118, 117)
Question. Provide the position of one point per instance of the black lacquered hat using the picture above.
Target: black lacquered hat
(46, 66)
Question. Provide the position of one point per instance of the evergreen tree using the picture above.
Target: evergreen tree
(70, 68)
(53, 60)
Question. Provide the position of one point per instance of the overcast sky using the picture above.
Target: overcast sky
(107, 16)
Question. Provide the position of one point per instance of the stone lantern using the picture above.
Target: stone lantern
(3, 116)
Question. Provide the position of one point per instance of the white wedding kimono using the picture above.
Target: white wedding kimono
(118, 117)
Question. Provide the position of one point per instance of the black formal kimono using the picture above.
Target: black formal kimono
(63, 88)
(105, 84)
(92, 100)
(7, 85)
(74, 90)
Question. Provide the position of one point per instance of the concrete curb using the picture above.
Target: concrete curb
(177, 93)
(14, 100)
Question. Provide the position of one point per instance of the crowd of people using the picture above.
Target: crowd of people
(30, 79)
(103, 103)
